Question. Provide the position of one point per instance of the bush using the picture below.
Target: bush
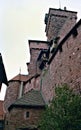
(64, 112)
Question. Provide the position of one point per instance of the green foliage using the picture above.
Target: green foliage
(64, 112)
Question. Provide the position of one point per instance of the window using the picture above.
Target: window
(60, 49)
(77, 49)
(27, 114)
(75, 33)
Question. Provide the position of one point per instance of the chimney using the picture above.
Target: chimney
(21, 90)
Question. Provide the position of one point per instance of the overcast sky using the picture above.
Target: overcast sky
(23, 20)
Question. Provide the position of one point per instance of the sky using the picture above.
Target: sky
(20, 21)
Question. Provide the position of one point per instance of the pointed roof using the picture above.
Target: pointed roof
(20, 77)
(33, 98)
(23, 78)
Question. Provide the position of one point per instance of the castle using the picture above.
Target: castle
(53, 62)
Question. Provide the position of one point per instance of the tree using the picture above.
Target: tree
(64, 112)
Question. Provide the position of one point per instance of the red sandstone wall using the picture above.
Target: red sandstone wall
(1, 111)
(11, 94)
(17, 118)
(35, 48)
(69, 24)
(64, 68)
(32, 67)
(32, 84)
(57, 19)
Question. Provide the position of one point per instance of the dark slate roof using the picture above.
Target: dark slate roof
(33, 98)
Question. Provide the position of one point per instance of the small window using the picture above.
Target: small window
(69, 57)
(60, 49)
(27, 114)
(30, 81)
(75, 33)
(77, 49)
(70, 69)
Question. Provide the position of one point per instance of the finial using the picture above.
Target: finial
(59, 4)
(20, 70)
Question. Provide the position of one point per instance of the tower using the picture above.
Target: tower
(35, 49)
(58, 19)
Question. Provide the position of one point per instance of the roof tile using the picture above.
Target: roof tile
(33, 98)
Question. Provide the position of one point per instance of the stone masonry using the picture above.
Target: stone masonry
(62, 66)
